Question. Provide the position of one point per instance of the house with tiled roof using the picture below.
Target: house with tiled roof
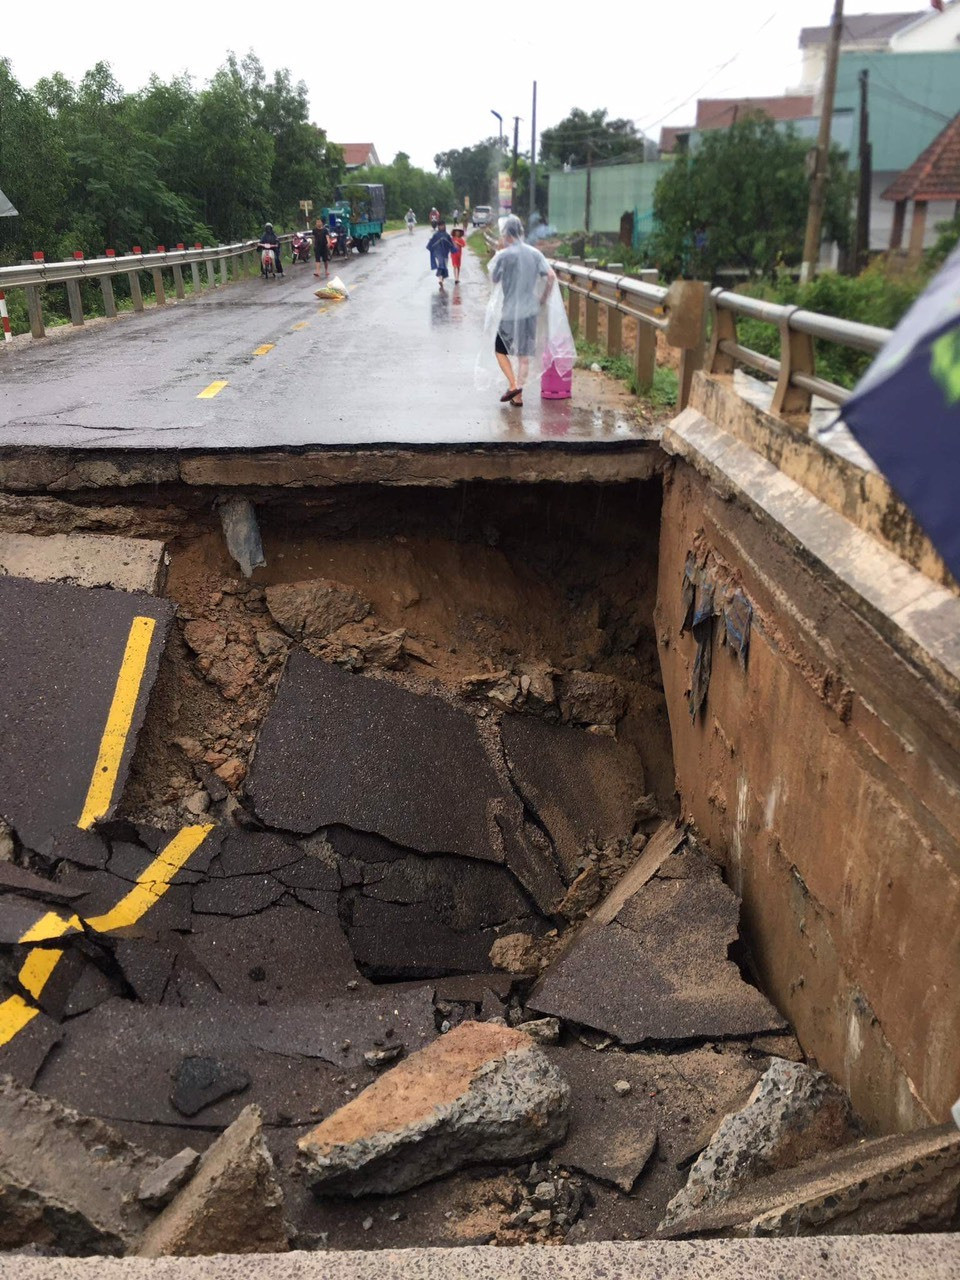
(721, 113)
(359, 155)
(934, 177)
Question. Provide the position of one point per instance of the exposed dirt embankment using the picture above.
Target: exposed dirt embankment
(501, 602)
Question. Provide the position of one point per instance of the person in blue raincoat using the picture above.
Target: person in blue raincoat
(440, 246)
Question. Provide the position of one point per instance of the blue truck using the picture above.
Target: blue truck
(357, 215)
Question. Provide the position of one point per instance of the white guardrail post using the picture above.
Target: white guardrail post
(32, 277)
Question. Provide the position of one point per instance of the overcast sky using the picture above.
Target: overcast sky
(390, 74)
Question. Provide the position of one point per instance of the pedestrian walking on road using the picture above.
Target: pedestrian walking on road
(457, 255)
(440, 246)
(411, 220)
(321, 248)
(525, 278)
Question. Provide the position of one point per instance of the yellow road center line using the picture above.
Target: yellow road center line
(322, 310)
(301, 324)
(154, 881)
(50, 926)
(119, 719)
(37, 968)
(262, 350)
(15, 1013)
(214, 389)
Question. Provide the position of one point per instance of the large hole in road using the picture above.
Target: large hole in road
(431, 737)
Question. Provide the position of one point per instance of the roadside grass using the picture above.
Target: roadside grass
(395, 224)
(476, 242)
(661, 396)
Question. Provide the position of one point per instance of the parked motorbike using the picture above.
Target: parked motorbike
(301, 245)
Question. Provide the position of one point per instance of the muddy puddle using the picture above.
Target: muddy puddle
(401, 794)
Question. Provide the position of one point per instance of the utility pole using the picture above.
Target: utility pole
(818, 184)
(516, 148)
(865, 157)
(586, 212)
(533, 156)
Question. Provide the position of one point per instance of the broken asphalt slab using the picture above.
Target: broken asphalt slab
(121, 1060)
(658, 971)
(582, 786)
(361, 752)
(64, 650)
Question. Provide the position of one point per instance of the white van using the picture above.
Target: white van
(482, 215)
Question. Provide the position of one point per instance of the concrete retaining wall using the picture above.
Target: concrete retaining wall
(827, 771)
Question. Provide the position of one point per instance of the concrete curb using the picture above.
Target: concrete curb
(921, 1257)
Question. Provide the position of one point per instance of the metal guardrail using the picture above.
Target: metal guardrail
(795, 371)
(681, 313)
(32, 276)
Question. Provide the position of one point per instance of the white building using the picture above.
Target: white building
(915, 31)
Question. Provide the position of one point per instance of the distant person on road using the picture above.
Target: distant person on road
(434, 217)
(525, 277)
(271, 238)
(440, 246)
(411, 220)
(321, 248)
(456, 256)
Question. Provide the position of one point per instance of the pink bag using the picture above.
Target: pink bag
(556, 381)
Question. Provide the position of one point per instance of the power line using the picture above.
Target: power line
(712, 76)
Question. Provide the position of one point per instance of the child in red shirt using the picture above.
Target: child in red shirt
(455, 257)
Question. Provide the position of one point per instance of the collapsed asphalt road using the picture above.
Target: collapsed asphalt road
(392, 788)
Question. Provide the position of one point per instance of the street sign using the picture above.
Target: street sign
(505, 192)
(306, 205)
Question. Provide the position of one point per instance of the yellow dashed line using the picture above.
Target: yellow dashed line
(37, 968)
(154, 881)
(262, 350)
(302, 324)
(15, 1013)
(214, 389)
(50, 926)
(152, 884)
(119, 719)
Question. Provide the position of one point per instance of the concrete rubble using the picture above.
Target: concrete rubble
(232, 1204)
(793, 1114)
(903, 1182)
(67, 1181)
(480, 1094)
(85, 560)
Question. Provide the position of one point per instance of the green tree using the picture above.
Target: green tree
(472, 170)
(305, 165)
(408, 187)
(740, 200)
(34, 170)
(585, 136)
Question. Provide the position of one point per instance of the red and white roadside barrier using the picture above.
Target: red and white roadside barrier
(4, 318)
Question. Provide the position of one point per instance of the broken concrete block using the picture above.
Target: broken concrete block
(385, 650)
(66, 1180)
(233, 1204)
(904, 1182)
(315, 608)
(238, 516)
(160, 1186)
(794, 1113)
(480, 1094)
(583, 893)
(542, 1030)
(84, 560)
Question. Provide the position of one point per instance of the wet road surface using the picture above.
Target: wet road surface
(262, 364)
